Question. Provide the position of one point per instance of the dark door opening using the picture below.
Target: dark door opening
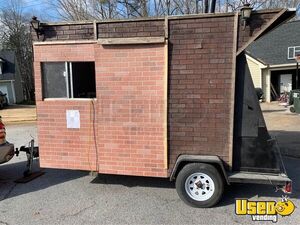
(277, 79)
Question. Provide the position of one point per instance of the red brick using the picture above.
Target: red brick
(129, 128)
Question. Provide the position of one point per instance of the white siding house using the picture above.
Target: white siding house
(271, 60)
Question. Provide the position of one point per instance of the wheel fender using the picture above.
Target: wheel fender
(209, 159)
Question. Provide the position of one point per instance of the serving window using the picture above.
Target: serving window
(68, 80)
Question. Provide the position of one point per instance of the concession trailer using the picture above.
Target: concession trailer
(164, 97)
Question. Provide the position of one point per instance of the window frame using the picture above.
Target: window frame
(68, 74)
(295, 52)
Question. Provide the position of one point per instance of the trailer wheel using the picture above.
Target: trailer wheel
(199, 185)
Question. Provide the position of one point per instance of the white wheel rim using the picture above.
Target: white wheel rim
(199, 186)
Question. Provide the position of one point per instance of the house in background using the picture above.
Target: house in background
(10, 79)
(271, 60)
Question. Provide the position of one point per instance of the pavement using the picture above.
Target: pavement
(284, 126)
(18, 114)
(75, 197)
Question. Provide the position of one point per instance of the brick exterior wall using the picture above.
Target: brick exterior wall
(130, 95)
(61, 147)
(147, 28)
(200, 78)
(131, 29)
(151, 28)
(129, 112)
(66, 32)
(130, 87)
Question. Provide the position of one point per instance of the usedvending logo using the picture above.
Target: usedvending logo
(264, 210)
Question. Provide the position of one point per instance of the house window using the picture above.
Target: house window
(68, 80)
(293, 52)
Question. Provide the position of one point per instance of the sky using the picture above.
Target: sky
(38, 8)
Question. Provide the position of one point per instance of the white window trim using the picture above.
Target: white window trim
(70, 99)
(296, 51)
(66, 74)
(71, 80)
(13, 91)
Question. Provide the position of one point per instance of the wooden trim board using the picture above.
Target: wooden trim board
(166, 79)
(70, 42)
(232, 97)
(166, 105)
(128, 41)
(95, 30)
(263, 29)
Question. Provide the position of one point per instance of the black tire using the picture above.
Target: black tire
(206, 169)
(292, 109)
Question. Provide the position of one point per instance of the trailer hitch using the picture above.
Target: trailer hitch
(31, 153)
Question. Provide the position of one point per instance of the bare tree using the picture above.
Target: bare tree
(72, 9)
(99, 9)
(135, 8)
(105, 9)
(109, 9)
(15, 35)
(233, 5)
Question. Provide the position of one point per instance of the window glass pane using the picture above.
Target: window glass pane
(54, 80)
(297, 51)
(83, 79)
(290, 53)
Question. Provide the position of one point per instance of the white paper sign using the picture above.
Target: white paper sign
(73, 119)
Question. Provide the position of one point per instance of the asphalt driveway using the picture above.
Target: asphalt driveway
(75, 197)
(284, 126)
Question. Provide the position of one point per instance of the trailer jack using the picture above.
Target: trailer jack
(31, 153)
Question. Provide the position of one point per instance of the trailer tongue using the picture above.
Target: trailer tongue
(7, 152)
